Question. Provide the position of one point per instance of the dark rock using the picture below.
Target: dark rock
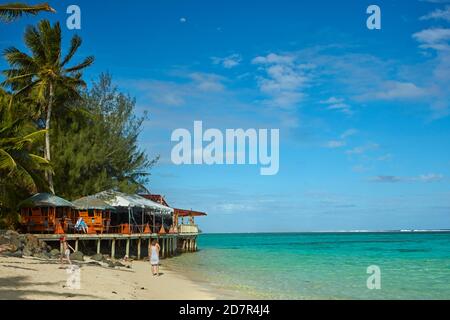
(54, 253)
(27, 252)
(41, 255)
(77, 256)
(118, 264)
(97, 257)
(12, 233)
(15, 241)
(17, 254)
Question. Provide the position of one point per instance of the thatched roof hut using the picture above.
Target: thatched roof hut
(48, 200)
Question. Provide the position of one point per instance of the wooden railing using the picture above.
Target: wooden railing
(187, 228)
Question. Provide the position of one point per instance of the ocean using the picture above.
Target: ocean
(323, 265)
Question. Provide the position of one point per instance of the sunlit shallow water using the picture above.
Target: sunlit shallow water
(323, 265)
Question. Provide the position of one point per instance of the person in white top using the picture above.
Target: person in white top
(153, 251)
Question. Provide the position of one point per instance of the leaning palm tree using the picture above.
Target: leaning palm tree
(43, 72)
(12, 11)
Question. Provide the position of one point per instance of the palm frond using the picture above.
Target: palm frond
(75, 43)
(12, 11)
(7, 161)
(86, 63)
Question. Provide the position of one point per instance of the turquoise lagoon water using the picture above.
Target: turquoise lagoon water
(323, 265)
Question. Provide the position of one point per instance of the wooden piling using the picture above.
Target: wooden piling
(139, 249)
(113, 248)
(127, 249)
(76, 245)
(98, 246)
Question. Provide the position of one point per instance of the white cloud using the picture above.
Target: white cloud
(228, 62)
(342, 107)
(183, 20)
(335, 144)
(363, 149)
(332, 100)
(425, 178)
(431, 177)
(349, 133)
(392, 90)
(208, 82)
(283, 80)
(385, 157)
(338, 104)
(434, 38)
(273, 58)
(438, 14)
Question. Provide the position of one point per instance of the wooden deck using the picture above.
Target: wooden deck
(171, 243)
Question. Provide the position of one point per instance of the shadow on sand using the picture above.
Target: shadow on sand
(15, 288)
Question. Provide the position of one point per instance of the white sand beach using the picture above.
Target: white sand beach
(31, 278)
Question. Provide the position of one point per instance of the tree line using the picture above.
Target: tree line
(57, 134)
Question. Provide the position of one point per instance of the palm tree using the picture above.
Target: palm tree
(43, 72)
(18, 164)
(12, 11)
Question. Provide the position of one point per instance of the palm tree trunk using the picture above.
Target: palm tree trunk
(47, 156)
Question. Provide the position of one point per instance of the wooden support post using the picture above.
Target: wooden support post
(61, 248)
(139, 249)
(113, 248)
(127, 250)
(98, 246)
(76, 245)
(166, 253)
(164, 247)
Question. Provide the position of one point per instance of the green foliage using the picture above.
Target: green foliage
(44, 72)
(12, 11)
(94, 132)
(21, 169)
(95, 146)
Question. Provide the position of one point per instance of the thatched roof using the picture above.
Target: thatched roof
(92, 203)
(45, 200)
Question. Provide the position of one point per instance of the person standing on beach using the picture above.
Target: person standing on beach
(153, 250)
(66, 251)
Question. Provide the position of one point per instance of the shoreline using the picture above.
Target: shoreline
(221, 293)
(37, 279)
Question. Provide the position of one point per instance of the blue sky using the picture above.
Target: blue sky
(363, 114)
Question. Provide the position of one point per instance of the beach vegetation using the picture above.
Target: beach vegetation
(56, 134)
